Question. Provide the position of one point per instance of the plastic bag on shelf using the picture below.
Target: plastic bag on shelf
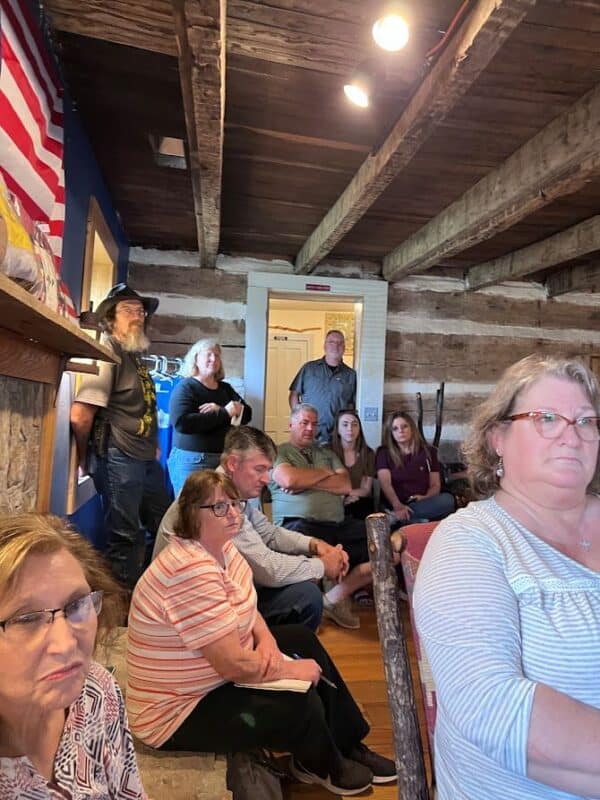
(17, 256)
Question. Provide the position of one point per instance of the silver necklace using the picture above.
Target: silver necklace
(584, 543)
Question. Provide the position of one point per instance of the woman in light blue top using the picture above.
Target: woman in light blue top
(507, 597)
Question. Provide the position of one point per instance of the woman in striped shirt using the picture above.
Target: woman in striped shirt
(507, 597)
(195, 632)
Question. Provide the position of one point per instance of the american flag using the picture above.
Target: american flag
(31, 122)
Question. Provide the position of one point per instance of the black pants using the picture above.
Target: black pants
(350, 533)
(315, 727)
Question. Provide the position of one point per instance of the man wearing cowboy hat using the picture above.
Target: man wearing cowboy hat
(114, 422)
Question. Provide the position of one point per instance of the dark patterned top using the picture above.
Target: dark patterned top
(95, 759)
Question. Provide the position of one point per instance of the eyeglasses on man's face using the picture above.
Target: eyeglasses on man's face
(551, 425)
(221, 508)
(34, 624)
(133, 310)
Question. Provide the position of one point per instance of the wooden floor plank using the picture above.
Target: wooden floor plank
(358, 657)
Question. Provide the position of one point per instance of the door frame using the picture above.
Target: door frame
(369, 360)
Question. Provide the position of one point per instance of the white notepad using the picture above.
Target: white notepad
(280, 685)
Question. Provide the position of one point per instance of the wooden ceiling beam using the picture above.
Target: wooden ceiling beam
(564, 246)
(134, 23)
(467, 54)
(250, 31)
(558, 161)
(200, 33)
(578, 278)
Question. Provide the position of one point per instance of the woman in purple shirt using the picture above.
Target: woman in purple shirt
(409, 473)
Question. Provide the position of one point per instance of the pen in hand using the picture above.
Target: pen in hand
(322, 678)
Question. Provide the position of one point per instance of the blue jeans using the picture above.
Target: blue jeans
(134, 499)
(300, 603)
(433, 508)
(182, 463)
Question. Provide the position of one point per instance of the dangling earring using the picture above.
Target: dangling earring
(500, 467)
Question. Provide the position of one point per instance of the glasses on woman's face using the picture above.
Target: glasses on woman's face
(221, 508)
(33, 625)
(551, 425)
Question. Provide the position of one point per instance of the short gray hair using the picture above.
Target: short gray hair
(481, 458)
(189, 368)
(300, 407)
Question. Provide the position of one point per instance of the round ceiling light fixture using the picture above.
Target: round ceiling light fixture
(391, 32)
(357, 94)
(361, 86)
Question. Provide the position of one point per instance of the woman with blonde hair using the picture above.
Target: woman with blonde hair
(409, 473)
(63, 726)
(507, 597)
(202, 408)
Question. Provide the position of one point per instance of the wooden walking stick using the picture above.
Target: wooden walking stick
(408, 748)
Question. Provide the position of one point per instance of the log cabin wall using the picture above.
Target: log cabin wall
(194, 304)
(438, 332)
(435, 330)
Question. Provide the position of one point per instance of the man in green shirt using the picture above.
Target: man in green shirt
(308, 486)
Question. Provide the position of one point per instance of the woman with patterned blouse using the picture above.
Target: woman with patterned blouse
(63, 727)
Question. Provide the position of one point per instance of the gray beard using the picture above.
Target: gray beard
(135, 342)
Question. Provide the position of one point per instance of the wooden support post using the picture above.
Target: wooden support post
(408, 749)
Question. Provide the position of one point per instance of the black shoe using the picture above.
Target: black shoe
(383, 769)
(351, 778)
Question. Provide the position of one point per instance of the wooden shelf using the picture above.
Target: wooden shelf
(24, 315)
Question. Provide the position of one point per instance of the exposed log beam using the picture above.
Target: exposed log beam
(557, 161)
(578, 278)
(200, 33)
(565, 246)
(137, 24)
(130, 22)
(477, 41)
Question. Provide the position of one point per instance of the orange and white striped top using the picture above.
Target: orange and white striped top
(184, 601)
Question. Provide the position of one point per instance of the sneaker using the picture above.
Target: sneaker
(383, 769)
(340, 613)
(363, 597)
(352, 778)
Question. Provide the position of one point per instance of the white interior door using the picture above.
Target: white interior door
(285, 355)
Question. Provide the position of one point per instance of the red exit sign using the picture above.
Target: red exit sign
(317, 287)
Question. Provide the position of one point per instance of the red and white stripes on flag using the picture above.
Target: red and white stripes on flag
(31, 121)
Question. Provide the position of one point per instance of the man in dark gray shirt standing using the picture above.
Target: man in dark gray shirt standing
(327, 384)
(115, 426)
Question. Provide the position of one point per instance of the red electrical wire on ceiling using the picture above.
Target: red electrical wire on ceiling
(455, 20)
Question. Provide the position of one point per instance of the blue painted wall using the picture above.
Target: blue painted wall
(84, 180)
